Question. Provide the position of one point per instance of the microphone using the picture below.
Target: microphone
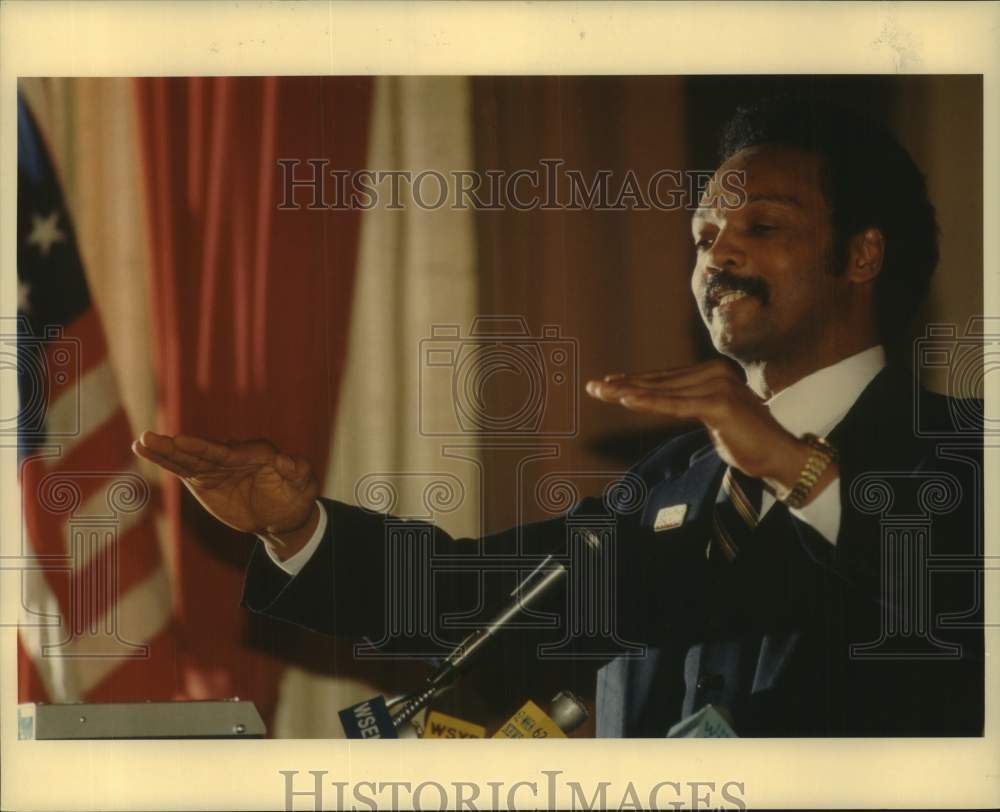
(368, 720)
(566, 713)
(542, 581)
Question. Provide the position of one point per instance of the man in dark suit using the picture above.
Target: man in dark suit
(808, 559)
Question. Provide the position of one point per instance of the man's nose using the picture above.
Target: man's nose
(724, 253)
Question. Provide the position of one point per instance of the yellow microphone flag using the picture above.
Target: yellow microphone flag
(442, 726)
(530, 722)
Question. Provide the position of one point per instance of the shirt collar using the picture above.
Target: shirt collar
(820, 400)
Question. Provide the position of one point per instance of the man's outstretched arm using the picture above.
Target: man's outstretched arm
(340, 587)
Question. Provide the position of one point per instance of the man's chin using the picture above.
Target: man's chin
(741, 348)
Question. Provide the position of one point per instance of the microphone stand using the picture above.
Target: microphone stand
(527, 593)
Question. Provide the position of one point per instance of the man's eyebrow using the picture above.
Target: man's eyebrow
(702, 212)
(773, 197)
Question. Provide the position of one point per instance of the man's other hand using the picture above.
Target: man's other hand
(250, 486)
(744, 432)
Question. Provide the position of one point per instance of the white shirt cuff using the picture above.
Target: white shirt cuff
(293, 564)
(823, 512)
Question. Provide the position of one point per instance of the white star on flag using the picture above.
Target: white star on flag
(45, 232)
(23, 296)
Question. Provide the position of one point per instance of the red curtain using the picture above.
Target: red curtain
(250, 305)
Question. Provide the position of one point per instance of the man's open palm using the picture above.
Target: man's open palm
(250, 486)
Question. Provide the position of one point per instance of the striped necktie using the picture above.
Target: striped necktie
(737, 513)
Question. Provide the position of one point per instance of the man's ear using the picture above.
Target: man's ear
(864, 262)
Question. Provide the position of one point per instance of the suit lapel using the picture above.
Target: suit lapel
(628, 695)
(695, 490)
(851, 436)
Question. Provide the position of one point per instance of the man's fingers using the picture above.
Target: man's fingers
(648, 375)
(614, 392)
(159, 449)
(208, 461)
(699, 400)
(679, 408)
(206, 450)
(683, 376)
(699, 381)
(167, 448)
(699, 389)
(295, 469)
(158, 443)
(193, 468)
(655, 377)
(204, 475)
(201, 455)
(651, 374)
(146, 453)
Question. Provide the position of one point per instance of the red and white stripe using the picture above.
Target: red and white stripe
(96, 617)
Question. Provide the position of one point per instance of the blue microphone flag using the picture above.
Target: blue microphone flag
(368, 720)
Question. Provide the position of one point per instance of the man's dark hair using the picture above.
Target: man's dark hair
(869, 180)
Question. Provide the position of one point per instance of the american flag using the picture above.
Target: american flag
(96, 620)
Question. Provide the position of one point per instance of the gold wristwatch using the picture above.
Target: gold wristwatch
(822, 455)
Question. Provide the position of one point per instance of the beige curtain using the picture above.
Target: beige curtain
(952, 159)
(90, 125)
(613, 286)
(614, 283)
(416, 269)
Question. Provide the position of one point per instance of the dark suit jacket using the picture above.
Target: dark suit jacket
(879, 634)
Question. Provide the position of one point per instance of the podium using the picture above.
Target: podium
(209, 719)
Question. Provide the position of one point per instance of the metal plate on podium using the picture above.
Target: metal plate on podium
(222, 719)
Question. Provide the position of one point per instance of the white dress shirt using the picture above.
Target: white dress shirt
(814, 404)
(296, 562)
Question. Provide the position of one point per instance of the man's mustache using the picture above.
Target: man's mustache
(723, 282)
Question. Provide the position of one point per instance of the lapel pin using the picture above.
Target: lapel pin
(669, 517)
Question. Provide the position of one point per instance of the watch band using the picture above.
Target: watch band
(820, 458)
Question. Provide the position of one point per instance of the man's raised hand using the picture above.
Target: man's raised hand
(250, 486)
(741, 427)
